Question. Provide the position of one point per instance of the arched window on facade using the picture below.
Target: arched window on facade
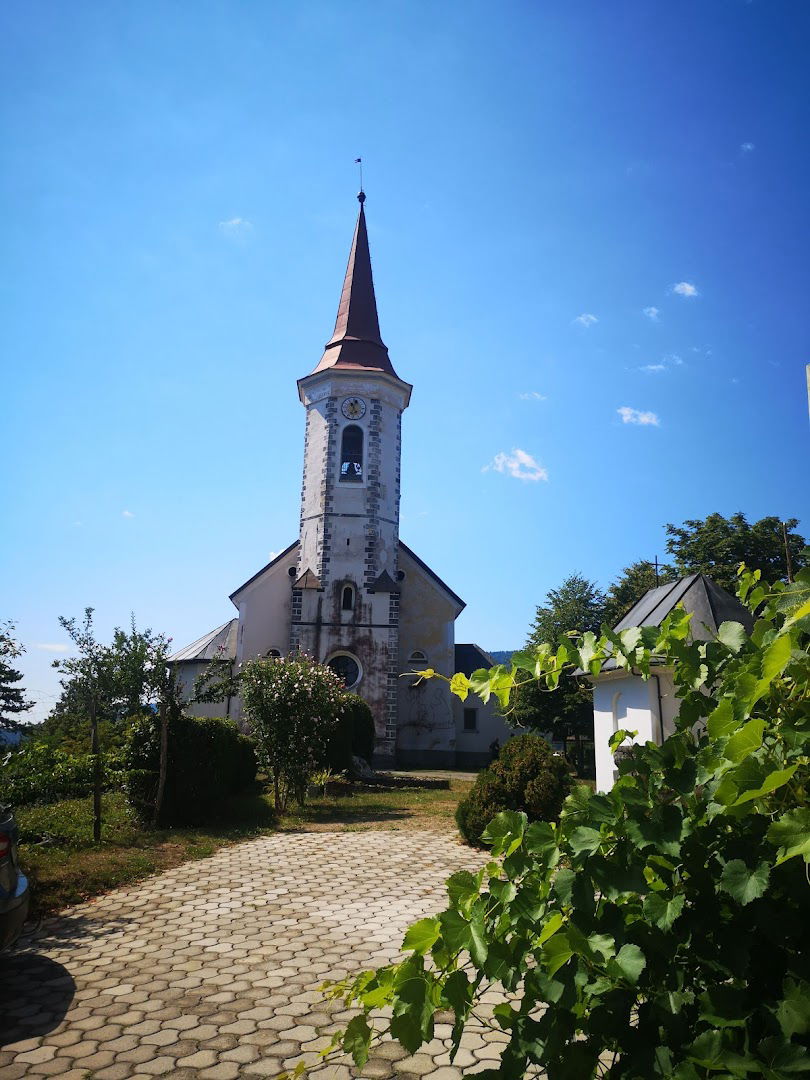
(347, 598)
(273, 654)
(351, 454)
(418, 658)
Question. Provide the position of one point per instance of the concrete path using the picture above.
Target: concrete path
(211, 970)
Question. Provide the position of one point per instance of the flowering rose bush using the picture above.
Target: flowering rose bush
(292, 705)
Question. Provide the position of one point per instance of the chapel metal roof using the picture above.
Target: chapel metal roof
(707, 602)
(219, 644)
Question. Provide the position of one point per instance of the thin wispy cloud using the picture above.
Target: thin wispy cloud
(586, 319)
(236, 227)
(666, 362)
(747, 147)
(685, 288)
(519, 464)
(533, 395)
(51, 646)
(652, 313)
(638, 416)
(127, 514)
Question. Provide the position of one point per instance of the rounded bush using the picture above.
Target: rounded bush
(353, 736)
(208, 761)
(527, 776)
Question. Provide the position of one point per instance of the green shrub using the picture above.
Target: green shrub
(658, 930)
(37, 773)
(353, 736)
(208, 761)
(527, 776)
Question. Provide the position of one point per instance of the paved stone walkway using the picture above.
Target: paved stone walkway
(211, 970)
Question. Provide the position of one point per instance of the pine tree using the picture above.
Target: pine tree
(12, 697)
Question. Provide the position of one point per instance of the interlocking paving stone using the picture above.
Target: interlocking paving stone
(211, 970)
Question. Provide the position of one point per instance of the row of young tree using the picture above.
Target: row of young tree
(714, 546)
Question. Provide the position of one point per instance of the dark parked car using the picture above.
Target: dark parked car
(13, 883)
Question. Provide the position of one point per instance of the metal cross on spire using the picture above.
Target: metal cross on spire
(359, 161)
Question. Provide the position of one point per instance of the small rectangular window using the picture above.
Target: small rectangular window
(471, 719)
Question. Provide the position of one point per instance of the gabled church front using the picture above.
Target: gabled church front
(348, 591)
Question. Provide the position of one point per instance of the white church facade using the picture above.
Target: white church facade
(348, 591)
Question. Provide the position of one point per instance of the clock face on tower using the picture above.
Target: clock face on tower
(353, 408)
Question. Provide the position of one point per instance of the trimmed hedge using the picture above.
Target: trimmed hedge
(527, 776)
(37, 773)
(353, 736)
(208, 761)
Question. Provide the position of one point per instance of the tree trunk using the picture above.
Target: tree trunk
(95, 751)
(276, 792)
(162, 768)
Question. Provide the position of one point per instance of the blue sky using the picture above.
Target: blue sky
(574, 209)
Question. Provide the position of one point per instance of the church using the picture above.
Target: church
(348, 591)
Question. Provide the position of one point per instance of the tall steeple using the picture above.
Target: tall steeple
(356, 341)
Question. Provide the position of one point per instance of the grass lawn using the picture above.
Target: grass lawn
(65, 867)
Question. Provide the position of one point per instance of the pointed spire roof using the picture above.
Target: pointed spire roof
(356, 342)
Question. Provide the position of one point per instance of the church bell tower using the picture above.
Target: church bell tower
(345, 598)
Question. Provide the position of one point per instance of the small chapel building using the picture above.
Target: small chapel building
(623, 699)
(348, 591)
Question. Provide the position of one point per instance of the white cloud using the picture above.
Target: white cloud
(533, 395)
(586, 319)
(685, 288)
(747, 147)
(47, 646)
(672, 360)
(519, 464)
(636, 416)
(237, 226)
(652, 313)
(127, 514)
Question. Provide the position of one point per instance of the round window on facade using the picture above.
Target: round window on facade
(347, 667)
(273, 654)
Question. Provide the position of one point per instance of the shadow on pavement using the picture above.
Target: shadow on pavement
(35, 994)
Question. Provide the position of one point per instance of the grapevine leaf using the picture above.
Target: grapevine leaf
(628, 963)
(742, 884)
(793, 1012)
(732, 635)
(421, 935)
(791, 834)
(746, 741)
(663, 911)
(357, 1039)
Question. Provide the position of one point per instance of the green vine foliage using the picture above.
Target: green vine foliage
(658, 930)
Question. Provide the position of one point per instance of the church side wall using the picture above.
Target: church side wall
(473, 747)
(187, 673)
(264, 612)
(426, 731)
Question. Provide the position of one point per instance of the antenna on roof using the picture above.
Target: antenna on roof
(359, 161)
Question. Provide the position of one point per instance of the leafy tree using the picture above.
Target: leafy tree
(717, 546)
(292, 705)
(630, 586)
(577, 606)
(91, 677)
(104, 686)
(658, 930)
(12, 696)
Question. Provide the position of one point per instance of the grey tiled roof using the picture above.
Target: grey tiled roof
(470, 658)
